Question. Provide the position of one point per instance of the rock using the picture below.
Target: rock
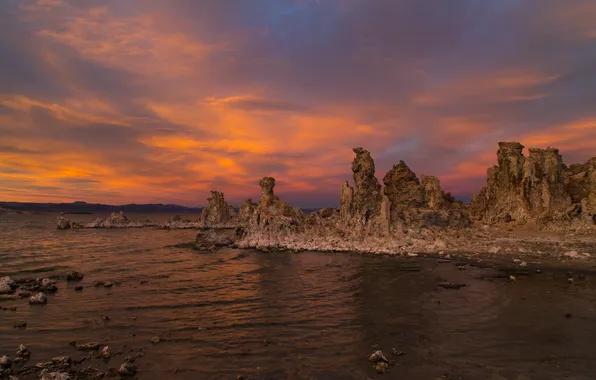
(128, 369)
(218, 212)
(7, 285)
(91, 346)
(451, 285)
(62, 222)
(382, 367)
(538, 189)
(23, 352)
(494, 249)
(210, 239)
(155, 340)
(74, 276)
(346, 200)
(377, 357)
(78, 288)
(119, 220)
(48, 285)
(367, 190)
(22, 325)
(108, 284)
(571, 254)
(38, 299)
(5, 362)
(397, 352)
(105, 353)
(47, 375)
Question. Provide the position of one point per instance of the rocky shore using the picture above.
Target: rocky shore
(535, 208)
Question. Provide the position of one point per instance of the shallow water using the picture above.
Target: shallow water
(282, 315)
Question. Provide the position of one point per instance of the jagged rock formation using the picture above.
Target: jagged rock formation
(367, 190)
(370, 217)
(538, 189)
(218, 212)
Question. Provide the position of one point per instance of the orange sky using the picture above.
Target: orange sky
(143, 101)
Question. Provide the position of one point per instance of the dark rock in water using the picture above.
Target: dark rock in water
(108, 284)
(23, 352)
(38, 299)
(24, 295)
(128, 369)
(99, 283)
(78, 288)
(74, 276)
(377, 357)
(22, 325)
(451, 285)
(397, 352)
(48, 285)
(210, 239)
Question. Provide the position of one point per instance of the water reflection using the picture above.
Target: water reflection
(281, 315)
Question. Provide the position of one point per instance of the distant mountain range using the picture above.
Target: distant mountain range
(90, 208)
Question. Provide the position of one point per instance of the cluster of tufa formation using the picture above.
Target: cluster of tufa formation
(537, 190)
(370, 216)
(403, 202)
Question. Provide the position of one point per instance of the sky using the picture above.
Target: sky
(152, 101)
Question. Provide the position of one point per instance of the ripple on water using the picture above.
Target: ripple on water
(286, 315)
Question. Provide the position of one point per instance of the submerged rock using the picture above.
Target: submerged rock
(209, 240)
(74, 276)
(38, 299)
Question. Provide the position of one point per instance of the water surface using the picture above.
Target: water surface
(281, 315)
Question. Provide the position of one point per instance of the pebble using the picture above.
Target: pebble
(38, 299)
(5, 362)
(108, 284)
(155, 340)
(378, 357)
(128, 369)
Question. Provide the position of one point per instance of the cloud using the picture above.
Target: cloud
(148, 101)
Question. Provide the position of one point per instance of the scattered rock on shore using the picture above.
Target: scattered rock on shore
(38, 299)
(7, 285)
(127, 369)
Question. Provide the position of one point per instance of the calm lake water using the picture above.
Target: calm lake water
(281, 315)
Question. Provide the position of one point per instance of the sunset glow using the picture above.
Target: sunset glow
(162, 101)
